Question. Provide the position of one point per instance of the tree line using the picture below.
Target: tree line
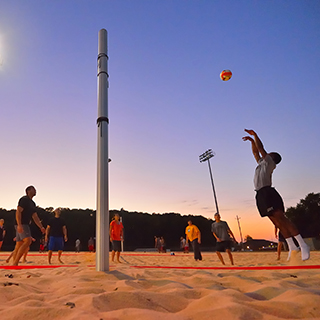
(140, 228)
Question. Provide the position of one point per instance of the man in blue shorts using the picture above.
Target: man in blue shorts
(56, 232)
(223, 235)
(268, 200)
(26, 211)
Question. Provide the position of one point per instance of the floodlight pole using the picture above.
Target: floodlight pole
(238, 220)
(214, 191)
(206, 157)
(102, 217)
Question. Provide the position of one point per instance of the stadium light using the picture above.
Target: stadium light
(206, 156)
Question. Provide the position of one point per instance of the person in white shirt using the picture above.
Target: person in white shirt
(268, 200)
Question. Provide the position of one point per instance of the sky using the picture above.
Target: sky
(167, 103)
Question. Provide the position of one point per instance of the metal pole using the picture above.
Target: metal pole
(240, 231)
(102, 220)
(214, 191)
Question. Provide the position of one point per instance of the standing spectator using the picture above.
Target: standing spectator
(91, 245)
(194, 236)
(77, 246)
(2, 232)
(163, 245)
(56, 232)
(184, 245)
(157, 243)
(42, 245)
(26, 211)
(116, 236)
(223, 235)
(281, 242)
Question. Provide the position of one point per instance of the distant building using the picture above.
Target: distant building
(259, 245)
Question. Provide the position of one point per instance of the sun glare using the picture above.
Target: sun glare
(1, 50)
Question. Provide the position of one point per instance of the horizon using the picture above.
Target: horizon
(137, 212)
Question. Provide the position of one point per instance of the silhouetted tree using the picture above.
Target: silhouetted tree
(306, 215)
(139, 228)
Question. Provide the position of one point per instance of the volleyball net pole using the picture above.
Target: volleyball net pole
(102, 216)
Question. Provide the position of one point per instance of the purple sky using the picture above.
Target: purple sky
(167, 104)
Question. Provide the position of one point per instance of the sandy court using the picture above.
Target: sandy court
(139, 288)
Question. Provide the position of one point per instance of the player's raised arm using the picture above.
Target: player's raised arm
(253, 147)
(258, 142)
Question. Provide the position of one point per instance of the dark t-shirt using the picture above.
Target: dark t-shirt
(56, 225)
(2, 229)
(221, 229)
(29, 208)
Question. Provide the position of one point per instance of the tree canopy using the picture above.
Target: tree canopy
(306, 215)
(139, 228)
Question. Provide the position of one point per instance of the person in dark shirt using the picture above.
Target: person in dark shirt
(56, 232)
(26, 211)
(224, 236)
(2, 232)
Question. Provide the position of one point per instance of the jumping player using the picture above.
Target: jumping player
(268, 200)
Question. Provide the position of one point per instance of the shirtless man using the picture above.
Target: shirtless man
(268, 200)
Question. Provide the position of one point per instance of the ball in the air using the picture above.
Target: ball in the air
(225, 75)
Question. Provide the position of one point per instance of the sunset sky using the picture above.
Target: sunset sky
(167, 104)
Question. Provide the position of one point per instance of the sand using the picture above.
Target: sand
(76, 291)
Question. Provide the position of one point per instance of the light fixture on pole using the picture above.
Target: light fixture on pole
(206, 156)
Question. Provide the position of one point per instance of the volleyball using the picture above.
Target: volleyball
(225, 75)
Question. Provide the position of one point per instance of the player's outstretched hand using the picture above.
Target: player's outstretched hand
(250, 131)
(247, 138)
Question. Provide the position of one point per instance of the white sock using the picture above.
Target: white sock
(305, 250)
(300, 241)
(291, 244)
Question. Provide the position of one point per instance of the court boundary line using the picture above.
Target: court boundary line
(232, 268)
(44, 254)
(37, 267)
(308, 267)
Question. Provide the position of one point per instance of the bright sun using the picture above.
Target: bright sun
(1, 50)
